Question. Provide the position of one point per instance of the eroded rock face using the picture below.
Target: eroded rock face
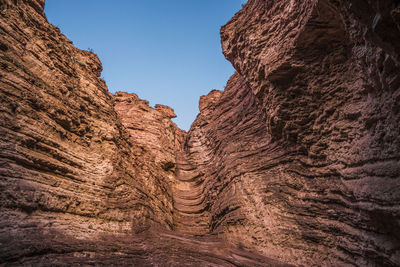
(68, 167)
(72, 178)
(301, 156)
(154, 136)
(297, 160)
(87, 177)
(208, 101)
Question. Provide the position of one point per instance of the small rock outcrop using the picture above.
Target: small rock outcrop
(208, 101)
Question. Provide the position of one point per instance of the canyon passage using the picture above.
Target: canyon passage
(295, 163)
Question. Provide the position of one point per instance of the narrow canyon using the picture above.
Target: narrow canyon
(295, 163)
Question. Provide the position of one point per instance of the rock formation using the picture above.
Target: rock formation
(313, 157)
(297, 161)
(67, 165)
(86, 177)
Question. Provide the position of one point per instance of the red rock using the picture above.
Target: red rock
(297, 161)
(208, 101)
(85, 177)
(167, 111)
(305, 139)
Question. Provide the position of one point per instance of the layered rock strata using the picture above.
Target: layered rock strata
(191, 212)
(71, 180)
(297, 159)
(301, 153)
(86, 177)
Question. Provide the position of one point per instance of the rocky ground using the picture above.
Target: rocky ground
(296, 162)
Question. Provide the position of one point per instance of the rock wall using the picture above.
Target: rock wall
(297, 160)
(155, 141)
(69, 171)
(301, 153)
(88, 178)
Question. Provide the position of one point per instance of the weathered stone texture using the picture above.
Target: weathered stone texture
(302, 153)
(68, 169)
(298, 159)
(88, 178)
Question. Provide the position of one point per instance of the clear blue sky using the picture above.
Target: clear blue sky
(167, 52)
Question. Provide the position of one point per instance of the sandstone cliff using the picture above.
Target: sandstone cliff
(304, 158)
(86, 177)
(68, 167)
(297, 160)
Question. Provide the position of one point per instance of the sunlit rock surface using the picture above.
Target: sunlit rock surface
(68, 168)
(296, 162)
